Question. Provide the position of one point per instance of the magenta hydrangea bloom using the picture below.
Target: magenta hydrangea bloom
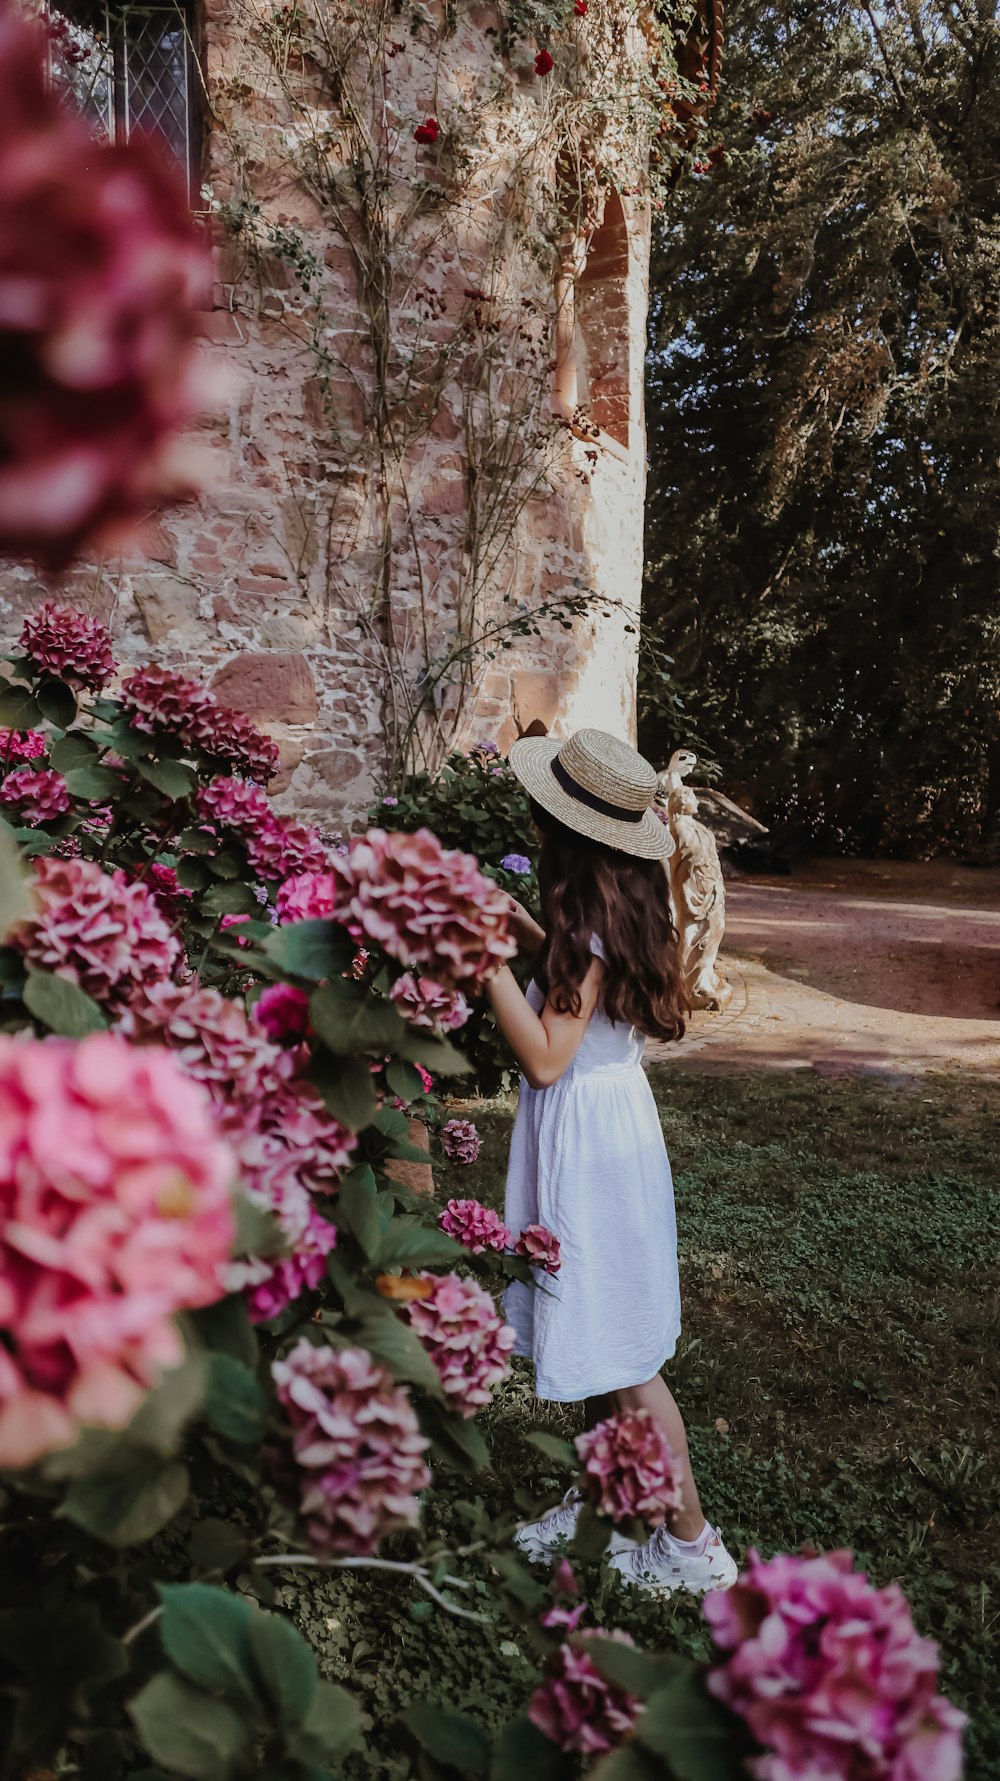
(95, 927)
(830, 1675)
(22, 745)
(34, 795)
(425, 1003)
(475, 1226)
(115, 1213)
(69, 644)
(357, 1443)
(539, 1247)
(161, 701)
(576, 1707)
(461, 1141)
(430, 906)
(465, 1337)
(629, 1468)
(283, 1012)
(291, 1275)
(277, 848)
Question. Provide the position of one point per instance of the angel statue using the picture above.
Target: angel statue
(697, 891)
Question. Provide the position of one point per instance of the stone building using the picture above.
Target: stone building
(423, 518)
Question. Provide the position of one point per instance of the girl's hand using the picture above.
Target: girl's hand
(524, 927)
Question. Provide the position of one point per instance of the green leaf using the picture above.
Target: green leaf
(61, 1005)
(75, 750)
(15, 897)
(627, 1763)
(349, 1019)
(561, 1451)
(257, 1230)
(19, 709)
(638, 1672)
(188, 1731)
(438, 1055)
(332, 1725)
(346, 1088)
(310, 949)
(205, 1632)
(192, 873)
(94, 784)
(398, 1347)
(234, 1404)
(162, 1417)
(416, 1246)
(357, 1211)
(132, 1501)
(526, 1754)
(590, 1540)
(404, 1080)
(683, 1725)
(196, 841)
(450, 1738)
(172, 778)
(225, 1328)
(457, 1439)
(286, 1667)
(56, 702)
(216, 1545)
(230, 899)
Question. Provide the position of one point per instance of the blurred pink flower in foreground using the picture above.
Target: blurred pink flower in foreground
(425, 1003)
(69, 644)
(100, 268)
(475, 1226)
(539, 1247)
(429, 905)
(115, 1213)
(283, 1013)
(106, 934)
(466, 1338)
(576, 1707)
(629, 1468)
(831, 1675)
(461, 1141)
(318, 896)
(357, 1443)
(34, 795)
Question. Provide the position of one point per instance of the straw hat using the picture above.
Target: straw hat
(596, 785)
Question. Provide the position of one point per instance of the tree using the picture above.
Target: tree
(825, 424)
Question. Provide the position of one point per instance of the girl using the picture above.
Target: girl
(587, 1156)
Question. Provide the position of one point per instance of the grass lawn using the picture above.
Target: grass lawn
(838, 1372)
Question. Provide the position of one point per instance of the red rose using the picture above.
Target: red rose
(580, 8)
(429, 131)
(543, 62)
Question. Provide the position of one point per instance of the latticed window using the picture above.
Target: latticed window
(130, 70)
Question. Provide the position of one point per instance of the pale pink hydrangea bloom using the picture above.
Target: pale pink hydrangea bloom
(539, 1247)
(830, 1675)
(475, 1226)
(465, 1337)
(69, 644)
(22, 745)
(115, 1213)
(358, 1444)
(95, 927)
(425, 1003)
(101, 272)
(430, 906)
(576, 1708)
(34, 795)
(461, 1141)
(277, 847)
(282, 1011)
(629, 1468)
(318, 896)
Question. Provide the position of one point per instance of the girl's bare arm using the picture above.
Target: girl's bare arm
(525, 929)
(546, 1044)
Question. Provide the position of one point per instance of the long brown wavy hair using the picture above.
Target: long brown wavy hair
(587, 889)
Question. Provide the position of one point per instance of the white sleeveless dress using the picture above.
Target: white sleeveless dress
(588, 1161)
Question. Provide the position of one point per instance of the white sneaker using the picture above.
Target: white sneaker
(665, 1566)
(550, 1536)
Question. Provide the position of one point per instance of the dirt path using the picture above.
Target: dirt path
(872, 966)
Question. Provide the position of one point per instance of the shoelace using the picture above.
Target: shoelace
(660, 1547)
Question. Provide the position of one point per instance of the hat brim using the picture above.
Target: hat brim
(531, 761)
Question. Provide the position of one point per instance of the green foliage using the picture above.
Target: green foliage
(824, 415)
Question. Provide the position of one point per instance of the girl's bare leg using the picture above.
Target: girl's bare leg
(655, 1396)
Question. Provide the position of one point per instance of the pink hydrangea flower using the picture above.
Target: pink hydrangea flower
(430, 906)
(233, 737)
(357, 1442)
(34, 795)
(161, 701)
(95, 927)
(629, 1468)
(291, 1275)
(277, 847)
(830, 1675)
(539, 1247)
(427, 1080)
(465, 1337)
(115, 1213)
(22, 745)
(283, 1012)
(576, 1708)
(461, 1141)
(475, 1226)
(162, 881)
(69, 644)
(100, 273)
(318, 895)
(425, 1003)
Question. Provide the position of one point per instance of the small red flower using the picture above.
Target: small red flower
(543, 62)
(428, 131)
(580, 8)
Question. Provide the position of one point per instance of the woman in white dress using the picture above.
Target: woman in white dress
(587, 1155)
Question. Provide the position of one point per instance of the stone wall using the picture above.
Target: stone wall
(322, 577)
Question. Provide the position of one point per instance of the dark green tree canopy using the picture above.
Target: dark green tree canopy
(824, 408)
